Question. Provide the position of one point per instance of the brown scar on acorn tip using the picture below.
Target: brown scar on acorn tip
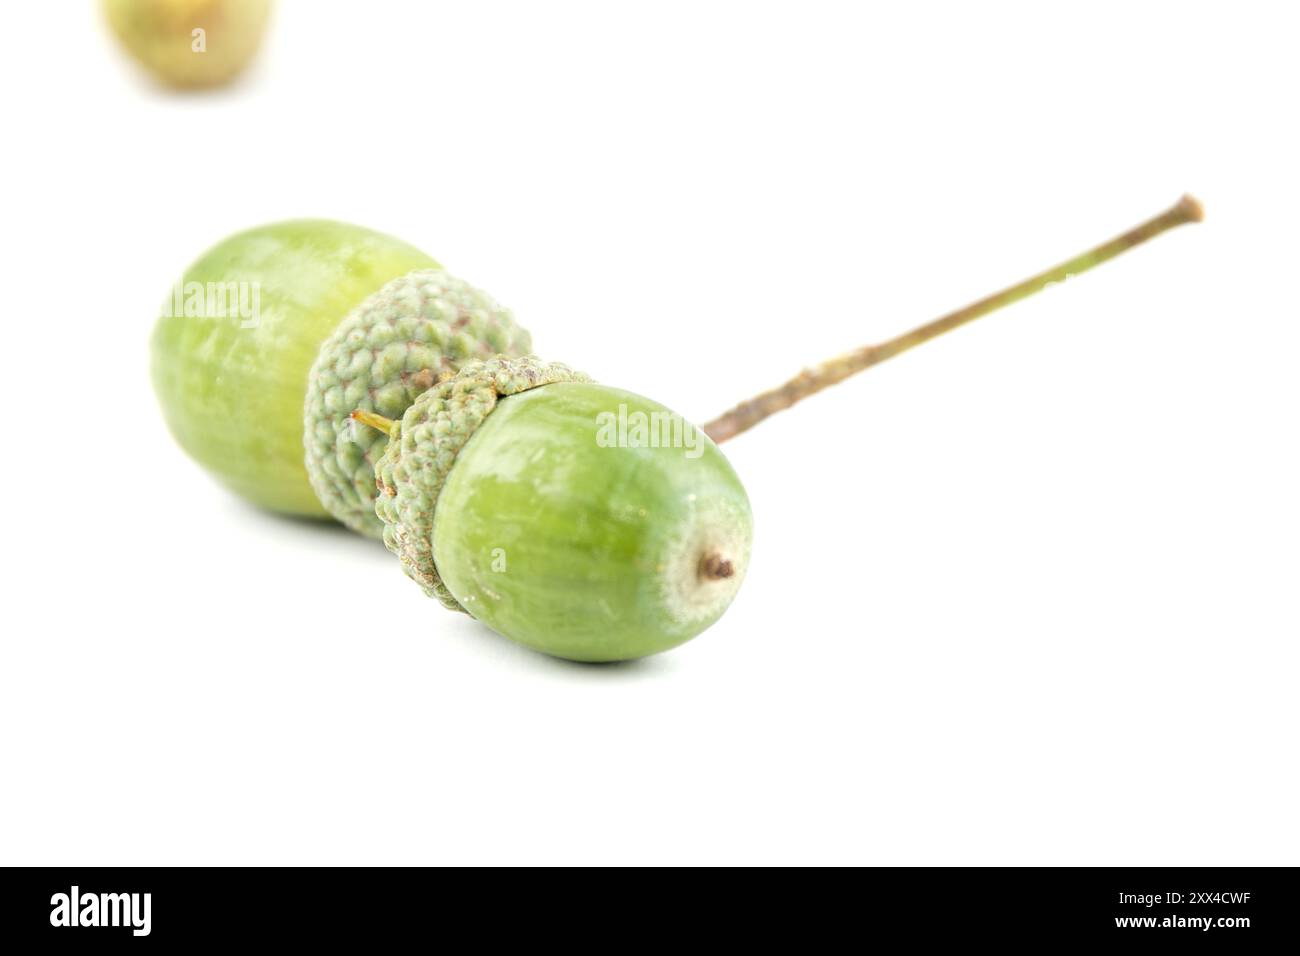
(714, 567)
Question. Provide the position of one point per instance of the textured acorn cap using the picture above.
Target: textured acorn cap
(424, 447)
(394, 346)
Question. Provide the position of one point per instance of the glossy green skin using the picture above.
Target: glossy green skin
(584, 532)
(233, 396)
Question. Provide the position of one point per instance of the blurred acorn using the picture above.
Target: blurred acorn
(190, 43)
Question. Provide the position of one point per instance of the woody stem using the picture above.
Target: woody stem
(812, 380)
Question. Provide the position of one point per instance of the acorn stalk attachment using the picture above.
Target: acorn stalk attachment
(378, 422)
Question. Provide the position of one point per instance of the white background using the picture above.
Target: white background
(1027, 595)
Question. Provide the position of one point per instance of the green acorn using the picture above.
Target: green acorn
(581, 520)
(269, 342)
(190, 43)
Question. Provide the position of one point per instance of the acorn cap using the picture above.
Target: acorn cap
(424, 446)
(419, 328)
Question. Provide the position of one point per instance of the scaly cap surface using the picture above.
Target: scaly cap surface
(432, 432)
(395, 345)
